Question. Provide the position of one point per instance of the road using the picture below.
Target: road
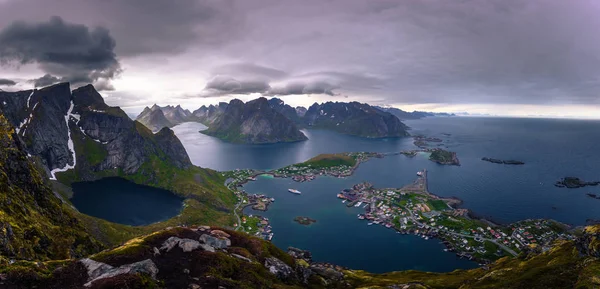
(507, 249)
(239, 221)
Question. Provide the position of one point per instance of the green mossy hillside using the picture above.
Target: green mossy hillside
(35, 224)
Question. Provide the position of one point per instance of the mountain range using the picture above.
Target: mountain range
(156, 117)
(352, 118)
(404, 115)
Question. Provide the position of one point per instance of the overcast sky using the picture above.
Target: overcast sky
(509, 57)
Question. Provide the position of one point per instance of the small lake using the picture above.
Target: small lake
(121, 201)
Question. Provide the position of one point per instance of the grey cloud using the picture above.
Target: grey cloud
(7, 82)
(317, 87)
(249, 70)
(223, 85)
(45, 80)
(429, 51)
(143, 26)
(73, 52)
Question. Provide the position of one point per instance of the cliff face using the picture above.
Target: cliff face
(34, 223)
(355, 119)
(78, 130)
(254, 122)
(39, 119)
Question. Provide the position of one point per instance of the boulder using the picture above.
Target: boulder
(95, 268)
(187, 245)
(219, 234)
(207, 247)
(217, 243)
(101, 271)
(278, 268)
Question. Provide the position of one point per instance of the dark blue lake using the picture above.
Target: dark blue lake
(551, 149)
(124, 202)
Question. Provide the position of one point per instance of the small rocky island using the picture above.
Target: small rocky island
(593, 196)
(444, 157)
(506, 162)
(422, 141)
(304, 220)
(573, 183)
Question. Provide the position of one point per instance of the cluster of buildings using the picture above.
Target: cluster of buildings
(258, 226)
(410, 211)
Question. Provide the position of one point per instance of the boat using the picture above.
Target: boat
(358, 204)
(344, 201)
(361, 217)
(294, 191)
(369, 223)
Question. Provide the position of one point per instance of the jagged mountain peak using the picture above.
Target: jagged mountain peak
(253, 122)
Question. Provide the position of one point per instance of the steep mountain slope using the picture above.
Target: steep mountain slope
(207, 115)
(156, 117)
(355, 119)
(288, 111)
(176, 114)
(34, 223)
(253, 122)
(103, 141)
(153, 118)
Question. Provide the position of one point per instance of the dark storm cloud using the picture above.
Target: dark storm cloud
(7, 82)
(73, 52)
(142, 26)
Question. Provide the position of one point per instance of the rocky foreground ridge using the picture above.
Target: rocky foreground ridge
(209, 257)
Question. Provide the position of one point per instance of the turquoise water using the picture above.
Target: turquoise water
(551, 149)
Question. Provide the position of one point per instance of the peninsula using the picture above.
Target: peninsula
(412, 209)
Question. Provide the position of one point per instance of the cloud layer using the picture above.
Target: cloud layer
(517, 52)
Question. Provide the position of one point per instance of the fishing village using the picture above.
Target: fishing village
(413, 210)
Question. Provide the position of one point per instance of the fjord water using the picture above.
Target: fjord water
(551, 149)
(124, 202)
